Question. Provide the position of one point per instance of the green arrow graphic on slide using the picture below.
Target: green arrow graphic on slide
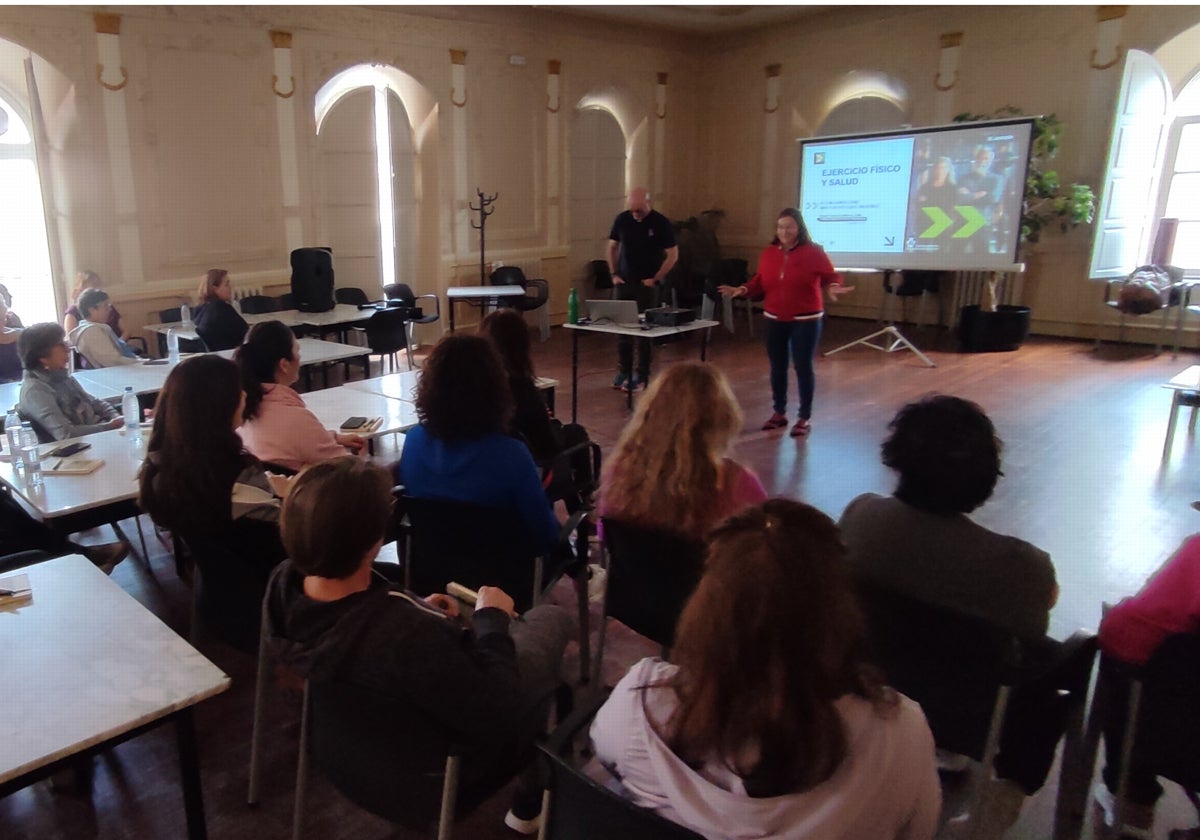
(940, 222)
(975, 220)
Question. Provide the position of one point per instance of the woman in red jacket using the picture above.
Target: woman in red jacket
(792, 272)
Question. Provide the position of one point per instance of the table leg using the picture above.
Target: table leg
(1175, 400)
(450, 308)
(574, 375)
(704, 344)
(189, 771)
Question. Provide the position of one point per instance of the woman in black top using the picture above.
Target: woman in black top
(531, 419)
(217, 322)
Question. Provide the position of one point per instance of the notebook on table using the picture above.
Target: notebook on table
(620, 312)
(71, 466)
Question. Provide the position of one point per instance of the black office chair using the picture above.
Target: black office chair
(582, 809)
(511, 275)
(387, 334)
(286, 301)
(351, 295)
(441, 540)
(233, 568)
(735, 272)
(258, 304)
(21, 559)
(402, 292)
(963, 670)
(599, 275)
(1162, 699)
(651, 574)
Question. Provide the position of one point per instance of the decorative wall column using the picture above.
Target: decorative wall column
(1106, 61)
(660, 137)
(946, 77)
(458, 135)
(283, 85)
(1109, 50)
(769, 197)
(112, 76)
(553, 153)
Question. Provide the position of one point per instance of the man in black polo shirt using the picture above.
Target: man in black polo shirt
(641, 250)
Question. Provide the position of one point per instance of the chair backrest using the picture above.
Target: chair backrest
(234, 568)
(733, 272)
(387, 331)
(401, 292)
(351, 295)
(953, 665)
(471, 544)
(600, 275)
(170, 316)
(509, 275)
(258, 304)
(366, 744)
(651, 575)
(582, 809)
(1168, 734)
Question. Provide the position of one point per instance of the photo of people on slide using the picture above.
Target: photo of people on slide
(939, 198)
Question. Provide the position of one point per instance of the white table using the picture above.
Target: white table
(333, 406)
(403, 386)
(87, 667)
(70, 503)
(1185, 393)
(481, 295)
(342, 313)
(643, 331)
(150, 376)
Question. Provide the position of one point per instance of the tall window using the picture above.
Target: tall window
(24, 250)
(1181, 189)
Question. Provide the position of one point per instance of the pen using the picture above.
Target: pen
(59, 464)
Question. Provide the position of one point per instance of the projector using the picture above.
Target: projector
(669, 316)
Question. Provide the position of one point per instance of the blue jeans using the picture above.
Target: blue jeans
(799, 339)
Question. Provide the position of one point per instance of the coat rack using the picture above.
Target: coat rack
(484, 203)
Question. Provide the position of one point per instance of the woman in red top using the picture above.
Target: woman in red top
(792, 272)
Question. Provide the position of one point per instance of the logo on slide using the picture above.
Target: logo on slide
(818, 158)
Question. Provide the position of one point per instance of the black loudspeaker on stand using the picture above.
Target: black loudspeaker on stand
(312, 279)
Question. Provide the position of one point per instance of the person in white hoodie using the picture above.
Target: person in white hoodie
(93, 337)
(768, 724)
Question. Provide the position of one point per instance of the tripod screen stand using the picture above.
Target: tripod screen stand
(891, 338)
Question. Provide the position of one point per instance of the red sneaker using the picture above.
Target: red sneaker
(801, 428)
(776, 421)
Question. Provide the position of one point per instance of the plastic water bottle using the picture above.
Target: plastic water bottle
(173, 345)
(12, 430)
(31, 455)
(185, 315)
(572, 306)
(129, 410)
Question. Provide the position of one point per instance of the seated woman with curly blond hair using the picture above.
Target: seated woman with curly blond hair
(670, 469)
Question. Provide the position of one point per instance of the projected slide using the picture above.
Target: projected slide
(942, 199)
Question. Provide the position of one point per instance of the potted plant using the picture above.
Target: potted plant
(1048, 204)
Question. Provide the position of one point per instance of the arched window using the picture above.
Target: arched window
(25, 269)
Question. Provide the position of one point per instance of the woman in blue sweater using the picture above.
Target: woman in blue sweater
(460, 451)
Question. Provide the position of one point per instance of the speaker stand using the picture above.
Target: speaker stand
(895, 339)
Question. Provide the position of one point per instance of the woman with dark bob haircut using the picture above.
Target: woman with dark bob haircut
(767, 721)
(199, 483)
(277, 427)
(460, 451)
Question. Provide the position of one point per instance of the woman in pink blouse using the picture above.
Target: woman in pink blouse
(670, 469)
(278, 428)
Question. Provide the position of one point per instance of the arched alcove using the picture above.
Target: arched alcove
(596, 184)
(376, 166)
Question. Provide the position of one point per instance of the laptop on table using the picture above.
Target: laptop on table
(622, 313)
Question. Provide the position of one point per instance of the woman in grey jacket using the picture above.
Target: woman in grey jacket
(50, 397)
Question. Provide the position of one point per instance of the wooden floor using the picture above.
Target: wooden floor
(1083, 433)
